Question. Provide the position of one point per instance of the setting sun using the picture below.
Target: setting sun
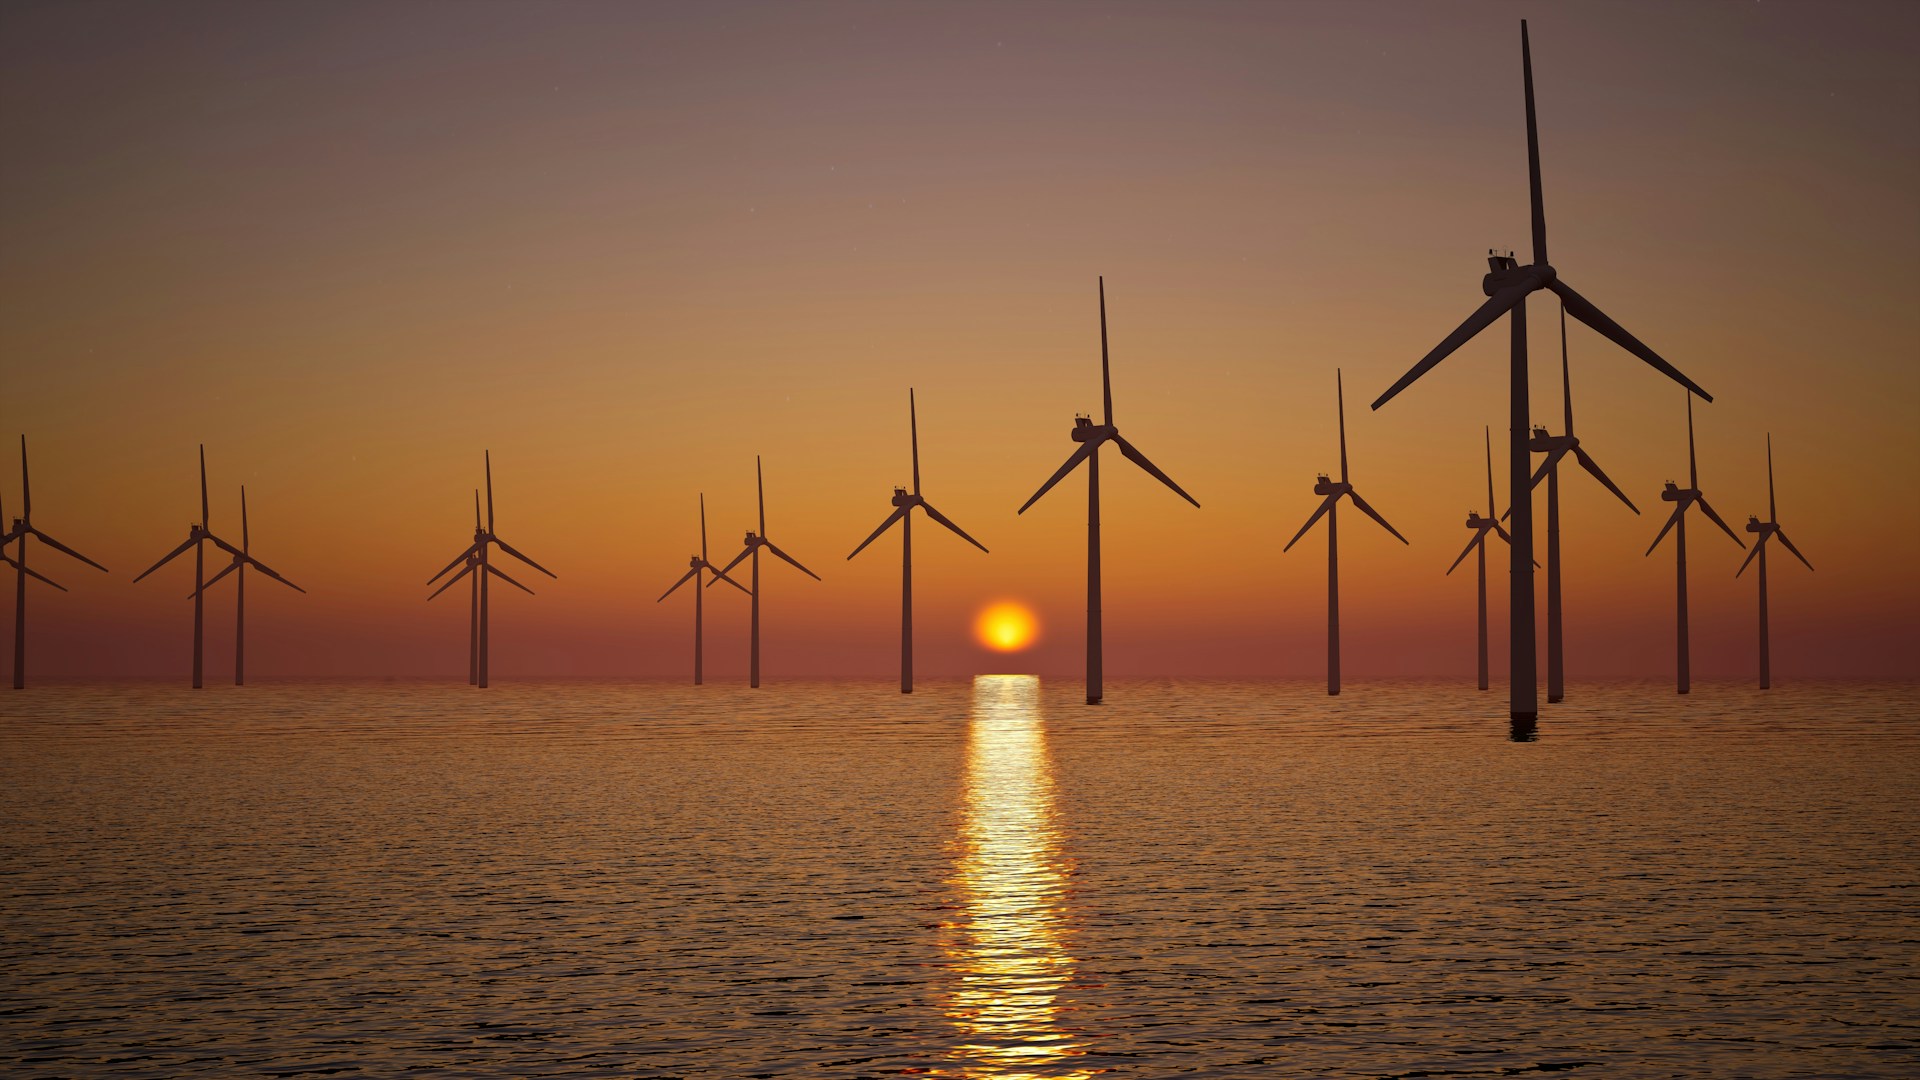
(1006, 626)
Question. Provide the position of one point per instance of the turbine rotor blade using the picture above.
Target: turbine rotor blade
(272, 573)
(1134, 455)
(1533, 153)
(509, 549)
(169, 557)
(1326, 504)
(913, 426)
(472, 549)
(1781, 533)
(771, 546)
(898, 513)
(1715, 518)
(1751, 554)
(1374, 514)
(1580, 308)
(502, 575)
(1078, 456)
(208, 584)
(62, 548)
(1479, 537)
(1106, 375)
(684, 578)
(30, 572)
(1553, 458)
(464, 571)
(1593, 467)
(722, 572)
(1672, 519)
(942, 519)
(1497, 305)
(718, 576)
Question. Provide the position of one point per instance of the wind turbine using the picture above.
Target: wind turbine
(696, 564)
(1090, 435)
(1683, 498)
(197, 538)
(1767, 530)
(1557, 447)
(754, 542)
(238, 568)
(1334, 491)
(21, 530)
(903, 504)
(475, 561)
(1507, 286)
(1481, 526)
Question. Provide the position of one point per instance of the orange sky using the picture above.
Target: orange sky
(628, 247)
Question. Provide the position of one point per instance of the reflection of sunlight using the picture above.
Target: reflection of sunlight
(1011, 959)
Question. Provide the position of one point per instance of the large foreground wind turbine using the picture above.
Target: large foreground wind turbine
(1481, 526)
(696, 564)
(1090, 435)
(903, 504)
(21, 530)
(754, 542)
(1682, 499)
(1557, 447)
(197, 538)
(475, 561)
(1334, 491)
(1766, 531)
(1507, 287)
(238, 568)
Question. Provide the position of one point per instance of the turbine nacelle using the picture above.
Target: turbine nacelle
(752, 540)
(1475, 521)
(1086, 431)
(903, 497)
(1331, 487)
(1504, 273)
(1676, 493)
(1764, 528)
(1545, 443)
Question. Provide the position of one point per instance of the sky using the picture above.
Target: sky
(629, 247)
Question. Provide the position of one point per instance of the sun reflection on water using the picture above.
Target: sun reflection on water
(1011, 954)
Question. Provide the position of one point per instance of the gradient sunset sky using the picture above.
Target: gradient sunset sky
(628, 246)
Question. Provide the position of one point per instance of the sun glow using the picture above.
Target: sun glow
(1006, 626)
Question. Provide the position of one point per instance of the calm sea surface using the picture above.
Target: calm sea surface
(987, 879)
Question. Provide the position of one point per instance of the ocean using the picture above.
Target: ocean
(985, 879)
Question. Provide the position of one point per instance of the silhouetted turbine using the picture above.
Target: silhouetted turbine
(1684, 498)
(1767, 530)
(903, 504)
(1090, 435)
(1334, 491)
(754, 542)
(21, 530)
(197, 538)
(1481, 526)
(475, 561)
(696, 564)
(1507, 287)
(238, 568)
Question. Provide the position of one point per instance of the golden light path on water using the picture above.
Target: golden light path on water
(1011, 954)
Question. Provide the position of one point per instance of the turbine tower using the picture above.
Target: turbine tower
(754, 542)
(469, 565)
(1507, 287)
(238, 568)
(1481, 526)
(1090, 435)
(903, 504)
(21, 530)
(1767, 530)
(696, 564)
(475, 561)
(197, 538)
(1334, 491)
(1684, 498)
(1557, 447)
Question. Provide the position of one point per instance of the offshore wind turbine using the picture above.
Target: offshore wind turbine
(238, 568)
(23, 529)
(1557, 447)
(695, 565)
(1481, 526)
(1507, 286)
(198, 536)
(903, 504)
(1334, 491)
(1767, 530)
(1683, 499)
(754, 542)
(1090, 435)
(475, 561)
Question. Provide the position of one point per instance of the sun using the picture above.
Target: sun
(1006, 626)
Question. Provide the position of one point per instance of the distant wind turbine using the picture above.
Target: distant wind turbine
(197, 538)
(21, 530)
(1767, 530)
(1481, 526)
(1334, 491)
(475, 561)
(1507, 287)
(903, 503)
(695, 565)
(238, 568)
(754, 542)
(1684, 498)
(470, 564)
(1090, 435)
